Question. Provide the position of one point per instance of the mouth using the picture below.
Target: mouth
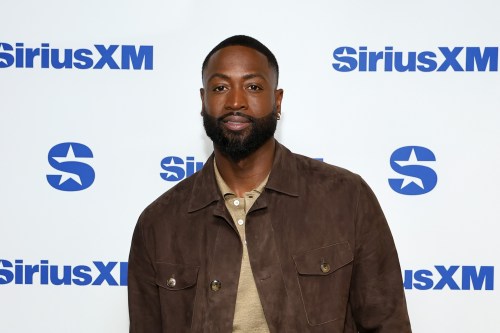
(236, 123)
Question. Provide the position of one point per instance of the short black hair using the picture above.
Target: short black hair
(247, 41)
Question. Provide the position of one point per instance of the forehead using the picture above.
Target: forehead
(238, 59)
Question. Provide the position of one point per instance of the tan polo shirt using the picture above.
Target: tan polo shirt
(248, 315)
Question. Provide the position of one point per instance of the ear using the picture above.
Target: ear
(278, 97)
(202, 96)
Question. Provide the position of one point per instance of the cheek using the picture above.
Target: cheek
(261, 105)
(213, 105)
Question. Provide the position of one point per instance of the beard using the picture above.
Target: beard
(238, 145)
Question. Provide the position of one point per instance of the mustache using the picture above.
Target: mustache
(236, 113)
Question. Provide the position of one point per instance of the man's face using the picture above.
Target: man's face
(239, 101)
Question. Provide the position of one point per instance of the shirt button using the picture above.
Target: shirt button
(325, 267)
(215, 285)
(171, 282)
(236, 202)
(240, 222)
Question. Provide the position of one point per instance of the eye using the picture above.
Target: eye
(254, 87)
(219, 88)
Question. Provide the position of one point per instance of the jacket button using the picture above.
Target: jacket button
(325, 267)
(215, 285)
(171, 282)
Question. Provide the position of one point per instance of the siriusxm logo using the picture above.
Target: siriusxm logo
(112, 273)
(97, 57)
(412, 163)
(74, 174)
(458, 59)
(452, 278)
(177, 169)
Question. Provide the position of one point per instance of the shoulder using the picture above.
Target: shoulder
(319, 180)
(296, 175)
(314, 171)
(175, 199)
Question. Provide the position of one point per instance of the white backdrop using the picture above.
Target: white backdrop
(131, 119)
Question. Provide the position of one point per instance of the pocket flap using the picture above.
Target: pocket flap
(324, 260)
(176, 276)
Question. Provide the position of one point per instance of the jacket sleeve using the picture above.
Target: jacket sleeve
(143, 297)
(377, 297)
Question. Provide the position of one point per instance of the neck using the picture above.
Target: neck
(246, 174)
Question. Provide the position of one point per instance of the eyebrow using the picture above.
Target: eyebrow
(245, 77)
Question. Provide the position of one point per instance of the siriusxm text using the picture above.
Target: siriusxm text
(111, 273)
(451, 278)
(458, 59)
(97, 57)
(176, 168)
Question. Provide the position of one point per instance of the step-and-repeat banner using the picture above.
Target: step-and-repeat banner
(100, 114)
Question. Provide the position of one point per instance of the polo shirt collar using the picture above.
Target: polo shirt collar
(283, 179)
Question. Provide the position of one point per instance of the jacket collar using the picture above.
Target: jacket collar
(284, 174)
(283, 179)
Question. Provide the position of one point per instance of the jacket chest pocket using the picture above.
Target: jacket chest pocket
(324, 276)
(177, 290)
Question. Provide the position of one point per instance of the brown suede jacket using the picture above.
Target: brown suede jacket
(321, 252)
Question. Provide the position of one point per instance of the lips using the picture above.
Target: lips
(236, 123)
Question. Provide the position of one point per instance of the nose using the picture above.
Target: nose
(236, 99)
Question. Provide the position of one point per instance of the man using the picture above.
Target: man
(261, 239)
